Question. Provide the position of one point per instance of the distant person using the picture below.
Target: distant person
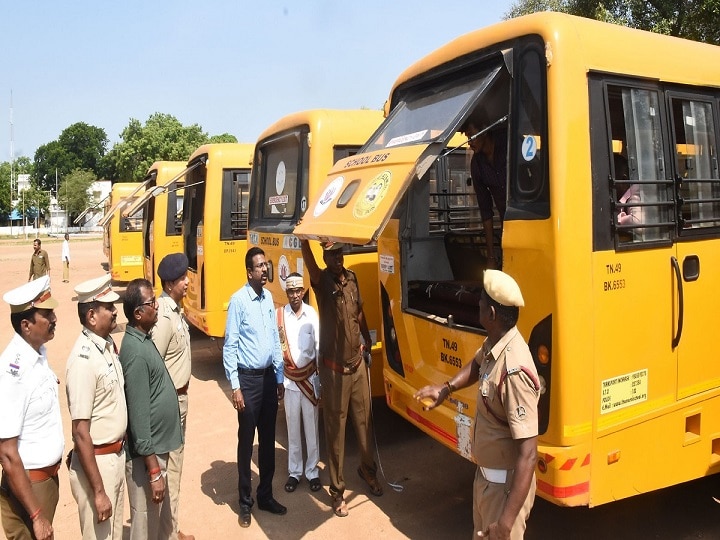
(506, 414)
(344, 343)
(31, 434)
(65, 257)
(488, 170)
(96, 399)
(254, 367)
(153, 417)
(39, 262)
(171, 336)
(299, 329)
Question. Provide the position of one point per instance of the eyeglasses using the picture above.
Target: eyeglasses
(261, 265)
(150, 303)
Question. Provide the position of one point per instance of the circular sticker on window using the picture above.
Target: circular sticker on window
(373, 195)
(328, 196)
(529, 148)
(283, 270)
(280, 178)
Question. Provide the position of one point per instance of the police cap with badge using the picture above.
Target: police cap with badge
(96, 290)
(172, 267)
(33, 294)
(502, 288)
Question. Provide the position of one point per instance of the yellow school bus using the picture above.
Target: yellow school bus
(122, 236)
(291, 160)
(161, 206)
(601, 122)
(214, 229)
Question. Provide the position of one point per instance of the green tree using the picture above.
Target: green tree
(162, 137)
(34, 202)
(698, 20)
(224, 138)
(74, 191)
(80, 146)
(21, 165)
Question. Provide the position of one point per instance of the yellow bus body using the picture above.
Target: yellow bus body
(162, 217)
(292, 157)
(123, 237)
(214, 231)
(616, 315)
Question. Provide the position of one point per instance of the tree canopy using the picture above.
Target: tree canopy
(74, 191)
(698, 20)
(162, 137)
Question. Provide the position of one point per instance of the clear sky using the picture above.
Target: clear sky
(231, 66)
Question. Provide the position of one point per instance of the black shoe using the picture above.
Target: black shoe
(291, 484)
(245, 517)
(272, 506)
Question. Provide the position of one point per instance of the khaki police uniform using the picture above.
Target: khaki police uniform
(95, 392)
(506, 410)
(30, 411)
(171, 336)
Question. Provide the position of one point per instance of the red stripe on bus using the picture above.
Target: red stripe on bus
(563, 492)
(568, 464)
(586, 462)
(425, 422)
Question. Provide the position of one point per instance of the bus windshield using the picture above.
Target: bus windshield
(429, 111)
(281, 162)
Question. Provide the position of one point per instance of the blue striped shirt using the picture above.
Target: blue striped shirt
(251, 335)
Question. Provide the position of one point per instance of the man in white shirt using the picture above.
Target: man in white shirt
(298, 325)
(65, 256)
(31, 434)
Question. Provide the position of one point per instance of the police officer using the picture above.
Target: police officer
(506, 422)
(31, 435)
(96, 399)
(172, 339)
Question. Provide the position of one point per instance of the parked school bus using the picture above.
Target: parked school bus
(291, 160)
(161, 207)
(122, 236)
(595, 117)
(214, 226)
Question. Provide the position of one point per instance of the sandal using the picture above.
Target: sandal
(372, 481)
(315, 484)
(339, 507)
(291, 484)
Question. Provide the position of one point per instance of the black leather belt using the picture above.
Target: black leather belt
(254, 372)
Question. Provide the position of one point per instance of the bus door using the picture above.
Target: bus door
(693, 126)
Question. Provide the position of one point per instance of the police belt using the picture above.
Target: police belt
(42, 474)
(495, 476)
(109, 448)
(182, 391)
(343, 369)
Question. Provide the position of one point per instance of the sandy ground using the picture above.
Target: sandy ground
(435, 502)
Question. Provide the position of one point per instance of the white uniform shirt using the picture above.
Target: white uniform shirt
(303, 336)
(30, 405)
(65, 255)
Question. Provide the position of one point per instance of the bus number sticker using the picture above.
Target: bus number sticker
(328, 196)
(623, 391)
(283, 270)
(387, 264)
(254, 238)
(278, 199)
(290, 241)
(373, 195)
(303, 204)
(405, 139)
(529, 148)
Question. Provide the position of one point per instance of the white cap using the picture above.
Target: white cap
(34, 294)
(502, 288)
(96, 289)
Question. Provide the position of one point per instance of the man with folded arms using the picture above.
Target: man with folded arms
(31, 435)
(96, 399)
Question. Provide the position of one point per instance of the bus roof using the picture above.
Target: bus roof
(230, 150)
(598, 45)
(345, 123)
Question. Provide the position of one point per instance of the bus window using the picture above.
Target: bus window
(174, 213)
(696, 162)
(194, 204)
(132, 223)
(281, 166)
(234, 217)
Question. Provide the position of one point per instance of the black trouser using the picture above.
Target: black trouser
(259, 390)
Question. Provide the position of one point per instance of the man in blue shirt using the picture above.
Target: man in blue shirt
(254, 366)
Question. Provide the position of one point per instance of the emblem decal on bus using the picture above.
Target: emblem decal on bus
(373, 195)
(328, 196)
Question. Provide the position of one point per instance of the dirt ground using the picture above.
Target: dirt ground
(435, 502)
